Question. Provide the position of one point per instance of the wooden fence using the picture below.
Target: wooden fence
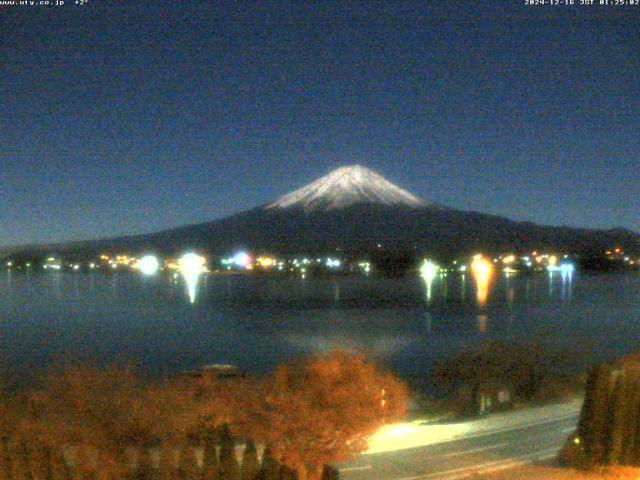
(20, 461)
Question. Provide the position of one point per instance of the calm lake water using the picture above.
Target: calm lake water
(257, 322)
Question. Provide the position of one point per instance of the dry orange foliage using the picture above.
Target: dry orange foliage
(310, 413)
(94, 415)
(323, 409)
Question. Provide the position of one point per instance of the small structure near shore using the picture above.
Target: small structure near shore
(484, 398)
(216, 371)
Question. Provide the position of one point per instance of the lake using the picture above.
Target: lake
(256, 322)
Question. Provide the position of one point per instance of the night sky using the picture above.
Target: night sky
(131, 119)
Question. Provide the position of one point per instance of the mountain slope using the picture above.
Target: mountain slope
(354, 209)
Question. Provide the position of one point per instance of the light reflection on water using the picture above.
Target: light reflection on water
(255, 322)
(482, 271)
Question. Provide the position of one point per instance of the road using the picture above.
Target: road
(510, 444)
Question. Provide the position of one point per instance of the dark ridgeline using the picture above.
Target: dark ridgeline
(609, 427)
(360, 228)
(357, 215)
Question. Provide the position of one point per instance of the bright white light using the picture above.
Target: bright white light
(241, 259)
(333, 262)
(191, 263)
(191, 266)
(148, 265)
(428, 271)
(567, 268)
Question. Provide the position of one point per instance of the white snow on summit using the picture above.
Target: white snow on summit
(346, 186)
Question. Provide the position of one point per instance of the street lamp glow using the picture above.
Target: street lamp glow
(566, 271)
(333, 262)
(191, 266)
(567, 268)
(241, 259)
(428, 272)
(148, 265)
(191, 263)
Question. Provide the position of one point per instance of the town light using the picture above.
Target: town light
(567, 268)
(482, 271)
(191, 266)
(266, 262)
(428, 272)
(509, 259)
(148, 265)
(333, 262)
(241, 259)
(191, 263)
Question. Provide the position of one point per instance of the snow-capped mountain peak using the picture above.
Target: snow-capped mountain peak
(347, 186)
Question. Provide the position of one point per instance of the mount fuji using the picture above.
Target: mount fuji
(344, 187)
(354, 209)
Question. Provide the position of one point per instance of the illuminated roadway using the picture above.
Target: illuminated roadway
(478, 453)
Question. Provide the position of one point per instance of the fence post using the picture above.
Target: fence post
(45, 469)
(166, 463)
(177, 471)
(210, 459)
(155, 463)
(228, 469)
(145, 469)
(69, 455)
(269, 469)
(249, 461)
(260, 453)
(24, 463)
(188, 463)
(5, 458)
(198, 459)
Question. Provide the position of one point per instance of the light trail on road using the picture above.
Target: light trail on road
(484, 452)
